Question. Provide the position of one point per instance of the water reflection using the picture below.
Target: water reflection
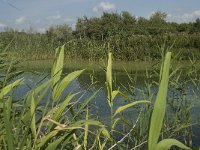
(139, 88)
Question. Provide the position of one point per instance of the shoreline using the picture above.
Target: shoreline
(99, 65)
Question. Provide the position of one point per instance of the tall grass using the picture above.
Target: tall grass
(28, 124)
(63, 122)
(32, 46)
(159, 113)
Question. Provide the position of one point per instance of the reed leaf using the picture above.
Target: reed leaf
(55, 144)
(65, 82)
(160, 105)
(32, 114)
(159, 113)
(115, 122)
(42, 141)
(9, 87)
(166, 144)
(81, 123)
(58, 65)
(86, 132)
(85, 103)
(43, 87)
(122, 108)
(109, 78)
(7, 125)
(62, 106)
(115, 93)
(57, 113)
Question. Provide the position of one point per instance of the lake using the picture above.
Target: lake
(135, 81)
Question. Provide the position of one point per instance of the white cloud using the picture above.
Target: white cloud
(197, 13)
(2, 25)
(104, 6)
(41, 30)
(150, 14)
(73, 25)
(69, 20)
(54, 17)
(20, 20)
(186, 17)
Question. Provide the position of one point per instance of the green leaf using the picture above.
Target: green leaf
(86, 131)
(115, 122)
(43, 87)
(41, 142)
(54, 144)
(166, 144)
(105, 132)
(115, 93)
(160, 105)
(9, 87)
(109, 77)
(7, 124)
(58, 91)
(122, 108)
(57, 113)
(58, 65)
(84, 104)
(32, 114)
(62, 107)
(81, 123)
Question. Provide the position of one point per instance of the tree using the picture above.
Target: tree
(59, 33)
(128, 23)
(157, 23)
(197, 25)
(158, 18)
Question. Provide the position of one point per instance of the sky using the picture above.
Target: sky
(41, 14)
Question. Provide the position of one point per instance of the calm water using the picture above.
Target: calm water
(100, 107)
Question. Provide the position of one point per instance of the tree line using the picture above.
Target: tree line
(129, 37)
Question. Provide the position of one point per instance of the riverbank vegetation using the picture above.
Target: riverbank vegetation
(131, 38)
(161, 114)
(48, 118)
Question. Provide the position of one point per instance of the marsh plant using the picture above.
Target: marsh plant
(58, 121)
(29, 124)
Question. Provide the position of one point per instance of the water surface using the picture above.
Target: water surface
(138, 84)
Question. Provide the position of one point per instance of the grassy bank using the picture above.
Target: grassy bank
(130, 66)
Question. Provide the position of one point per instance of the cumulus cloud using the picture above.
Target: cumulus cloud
(54, 17)
(69, 20)
(186, 17)
(104, 6)
(41, 30)
(150, 14)
(20, 20)
(196, 13)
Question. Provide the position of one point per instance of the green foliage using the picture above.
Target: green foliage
(131, 38)
(7, 125)
(8, 88)
(33, 125)
(122, 108)
(111, 95)
(59, 33)
(158, 113)
(66, 123)
(166, 144)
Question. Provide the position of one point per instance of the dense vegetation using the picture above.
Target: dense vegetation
(130, 37)
(156, 116)
(65, 121)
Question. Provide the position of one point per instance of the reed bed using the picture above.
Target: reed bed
(47, 118)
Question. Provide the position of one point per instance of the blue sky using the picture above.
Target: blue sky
(40, 14)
